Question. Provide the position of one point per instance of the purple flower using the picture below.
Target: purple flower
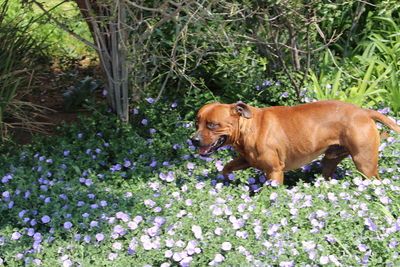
(150, 100)
(384, 110)
(258, 231)
(138, 219)
(159, 221)
(370, 224)
(46, 219)
(226, 246)
(236, 223)
(218, 258)
(100, 237)
(324, 260)
(67, 225)
(144, 122)
(153, 231)
(31, 232)
(330, 238)
(112, 256)
(117, 246)
(146, 242)
(149, 203)
(273, 196)
(6, 178)
(362, 247)
(116, 167)
(218, 231)
(385, 200)
(15, 236)
(197, 231)
(242, 234)
(285, 95)
(122, 216)
(308, 245)
(219, 165)
(190, 166)
(118, 229)
(87, 238)
(132, 225)
(393, 244)
(286, 264)
(267, 83)
(6, 195)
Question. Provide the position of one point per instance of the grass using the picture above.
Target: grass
(107, 194)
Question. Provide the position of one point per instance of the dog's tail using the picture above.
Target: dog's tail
(375, 115)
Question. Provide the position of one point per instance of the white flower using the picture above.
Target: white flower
(226, 246)
(197, 231)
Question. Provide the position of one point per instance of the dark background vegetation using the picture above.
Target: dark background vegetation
(67, 54)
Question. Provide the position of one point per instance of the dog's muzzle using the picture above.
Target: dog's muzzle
(206, 150)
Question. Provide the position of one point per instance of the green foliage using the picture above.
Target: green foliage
(383, 50)
(360, 87)
(59, 42)
(326, 89)
(82, 93)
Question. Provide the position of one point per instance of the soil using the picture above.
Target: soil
(46, 93)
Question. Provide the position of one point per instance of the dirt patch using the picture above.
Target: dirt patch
(46, 93)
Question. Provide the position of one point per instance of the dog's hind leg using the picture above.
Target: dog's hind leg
(364, 149)
(367, 163)
(333, 156)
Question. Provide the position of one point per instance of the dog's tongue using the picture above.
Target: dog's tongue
(204, 150)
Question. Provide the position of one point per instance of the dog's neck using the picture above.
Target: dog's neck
(242, 129)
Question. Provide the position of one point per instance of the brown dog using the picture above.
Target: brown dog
(279, 139)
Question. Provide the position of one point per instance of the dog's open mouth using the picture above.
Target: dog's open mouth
(208, 150)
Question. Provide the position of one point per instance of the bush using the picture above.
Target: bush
(19, 51)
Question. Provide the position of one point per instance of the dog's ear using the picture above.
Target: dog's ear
(242, 109)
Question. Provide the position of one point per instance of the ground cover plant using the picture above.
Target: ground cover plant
(105, 193)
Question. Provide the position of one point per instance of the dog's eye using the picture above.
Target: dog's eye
(211, 125)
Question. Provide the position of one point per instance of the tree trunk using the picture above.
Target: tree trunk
(107, 25)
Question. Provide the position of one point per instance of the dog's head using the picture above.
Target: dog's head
(217, 125)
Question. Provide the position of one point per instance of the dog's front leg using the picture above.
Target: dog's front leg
(276, 176)
(237, 164)
(273, 166)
